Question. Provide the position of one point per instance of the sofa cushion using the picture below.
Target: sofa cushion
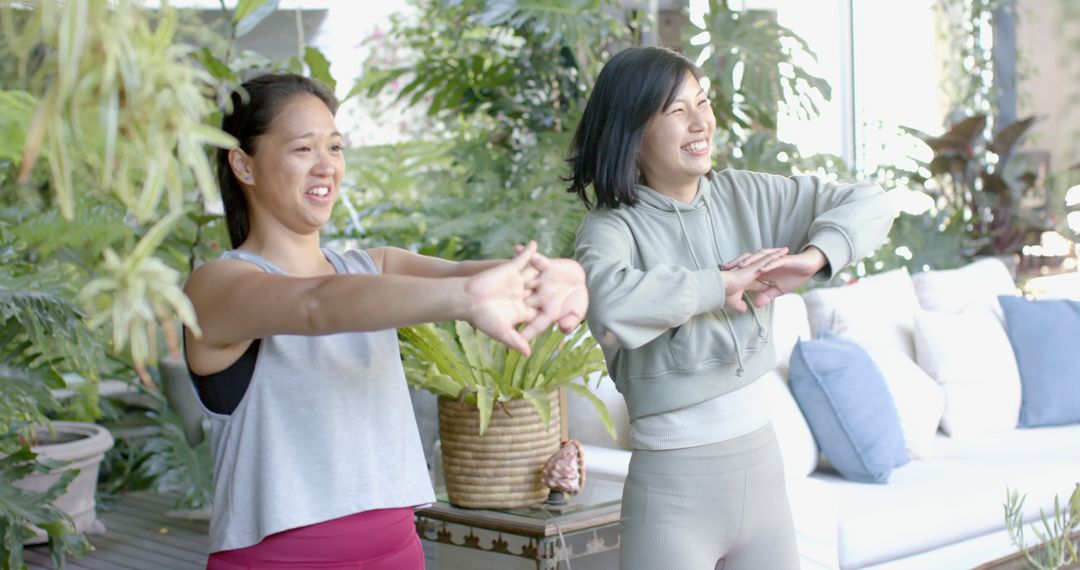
(1051, 443)
(797, 445)
(813, 509)
(970, 553)
(919, 400)
(1045, 337)
(848, 407)
(928, 504)
(976, 285)
(969, 354)
(879, 310)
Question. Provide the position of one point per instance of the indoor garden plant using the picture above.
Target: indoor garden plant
(1056, 542)
(499, 410)
(104, 126)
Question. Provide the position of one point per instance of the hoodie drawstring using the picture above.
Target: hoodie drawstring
(697, 263)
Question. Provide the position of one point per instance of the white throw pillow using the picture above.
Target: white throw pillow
(976, 285)
(919, 400)
(876, 311)
(969, 354)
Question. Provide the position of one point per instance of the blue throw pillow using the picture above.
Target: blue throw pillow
(1045, 337)
(849, 408)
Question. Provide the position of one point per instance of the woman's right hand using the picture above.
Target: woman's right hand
(742, 277)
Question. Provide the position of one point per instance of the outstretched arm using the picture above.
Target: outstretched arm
(397, 261)
(236, 302)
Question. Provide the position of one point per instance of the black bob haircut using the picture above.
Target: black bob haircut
(255, 105)
(632, 87)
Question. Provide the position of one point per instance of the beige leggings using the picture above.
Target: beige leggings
(719, 506)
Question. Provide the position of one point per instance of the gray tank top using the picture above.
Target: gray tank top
(325, 430)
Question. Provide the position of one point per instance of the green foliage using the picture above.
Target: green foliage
(753, 70)
(522, 63)
(21, 510)
(502, 83)
(463, 363)
(319, 67)
(16, 108)
(462, 200)
(119, 112)
(121, 109)
(751, 63)
(40, 335)
(137, 292)
(155, 456)
(1054, 549)
(980, 187)
(968, 68)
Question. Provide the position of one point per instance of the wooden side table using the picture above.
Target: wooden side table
(547, 535)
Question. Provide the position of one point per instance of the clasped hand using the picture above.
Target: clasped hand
(530, 289)
(767, 274)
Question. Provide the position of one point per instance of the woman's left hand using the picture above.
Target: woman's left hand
(559, 295)
(784, 274)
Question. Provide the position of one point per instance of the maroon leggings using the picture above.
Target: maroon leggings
(373, 540)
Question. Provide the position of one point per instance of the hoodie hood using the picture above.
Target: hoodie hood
(652, 199)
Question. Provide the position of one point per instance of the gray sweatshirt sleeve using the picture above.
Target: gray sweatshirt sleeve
(629, 306)
(845, 221)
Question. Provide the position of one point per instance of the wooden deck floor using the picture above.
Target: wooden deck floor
(138, 536)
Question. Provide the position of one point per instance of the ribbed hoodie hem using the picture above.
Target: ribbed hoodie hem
(647, 395)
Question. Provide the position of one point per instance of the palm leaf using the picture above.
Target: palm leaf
(539, 400)
(485, 401)
(598, 404)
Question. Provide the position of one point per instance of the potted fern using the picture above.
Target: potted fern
(48, 469)
(499, 410)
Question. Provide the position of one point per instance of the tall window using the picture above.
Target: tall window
(882, 59)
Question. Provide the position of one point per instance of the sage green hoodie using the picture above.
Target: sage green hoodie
(656, 293)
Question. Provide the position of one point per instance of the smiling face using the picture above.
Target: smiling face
(294, 175)
(676, 147)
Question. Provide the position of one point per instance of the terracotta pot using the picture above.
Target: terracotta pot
(500, 469)
(84, 446)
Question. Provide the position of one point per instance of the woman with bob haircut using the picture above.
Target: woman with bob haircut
(682, 263)
(317, 460)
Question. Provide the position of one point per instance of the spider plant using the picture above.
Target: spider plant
(461, 363)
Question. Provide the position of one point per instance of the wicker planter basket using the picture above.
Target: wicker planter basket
(502, 468)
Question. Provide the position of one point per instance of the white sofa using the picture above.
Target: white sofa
(944, 508)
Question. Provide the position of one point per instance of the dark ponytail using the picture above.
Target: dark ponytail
(255, 105)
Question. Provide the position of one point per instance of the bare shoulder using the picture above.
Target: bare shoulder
(378, 255)
(213, 275)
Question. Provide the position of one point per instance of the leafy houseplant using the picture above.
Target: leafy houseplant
(103, 126)
(1055, 548)
(755, 73)
(501, 85)
(980, 186)
(466, 365)
(39, 333)
(498, 410)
